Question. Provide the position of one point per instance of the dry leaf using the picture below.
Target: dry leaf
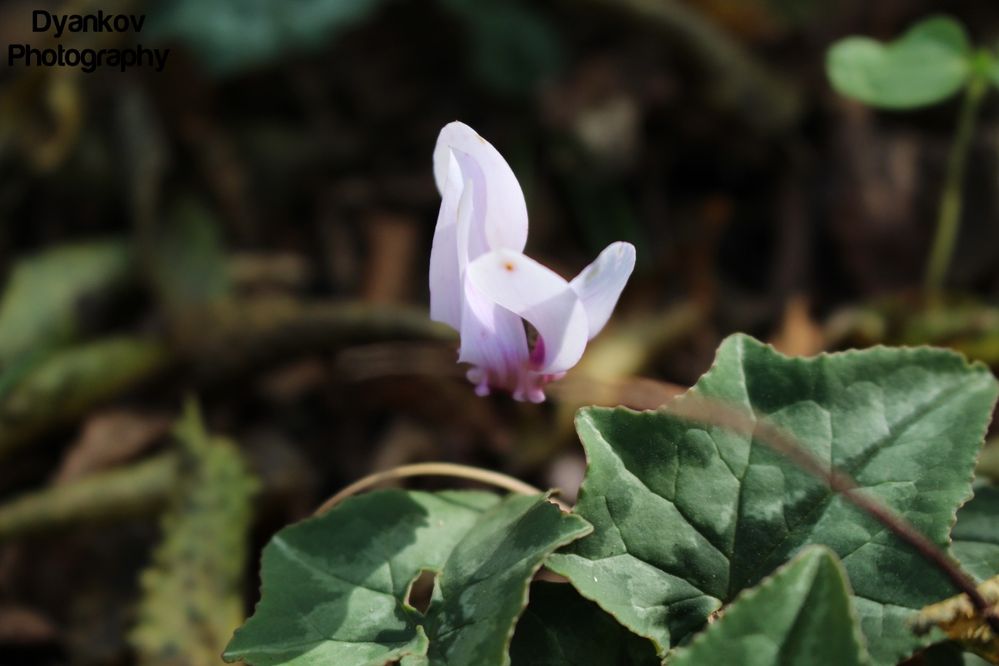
(799, 335)
(110, 438)
(958, 619)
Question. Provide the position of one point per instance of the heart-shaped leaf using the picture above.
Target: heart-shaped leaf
(976, 535)
(687, 514)
(335, 587)
(926, 65)
(800, 615)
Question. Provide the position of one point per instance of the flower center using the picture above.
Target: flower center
(536, 346)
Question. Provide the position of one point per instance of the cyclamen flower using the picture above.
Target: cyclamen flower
(483, 286)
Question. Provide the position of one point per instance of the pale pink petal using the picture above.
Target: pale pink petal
(539, 295)
(445, 269)
(498, 198)
(471, 235)
(600, 284)
(493, 340)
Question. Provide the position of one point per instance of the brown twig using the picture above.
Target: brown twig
(739, 81)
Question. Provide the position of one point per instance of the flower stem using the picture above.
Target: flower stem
(949, 212)
(431, 469)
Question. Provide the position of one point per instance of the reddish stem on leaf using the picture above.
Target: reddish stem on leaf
(706, 411)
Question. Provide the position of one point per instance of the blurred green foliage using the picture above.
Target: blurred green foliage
(65, 384)
(511, 45)
(229, 36)
(192, 597)
(926, 65)
(41, 303)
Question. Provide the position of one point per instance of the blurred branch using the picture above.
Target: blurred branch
(235, 333)
(740, 83)
(126, 491)
(66, 384)
(278, 272)
(218, 340)
(135, 490)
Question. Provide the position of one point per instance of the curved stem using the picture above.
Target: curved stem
(702, 410)
(949, 213)
(431, 469)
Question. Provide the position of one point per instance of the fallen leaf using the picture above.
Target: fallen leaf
(962, 623)
(109, 438)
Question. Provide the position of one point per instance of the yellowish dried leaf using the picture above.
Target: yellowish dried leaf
(959, 620)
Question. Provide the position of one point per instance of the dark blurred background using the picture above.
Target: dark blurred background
(249, 231)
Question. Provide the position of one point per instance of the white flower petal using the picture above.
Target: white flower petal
(471, 218)
(498, 199)
(445, 268)
(600, 284)
(539, 295)
(493, 340)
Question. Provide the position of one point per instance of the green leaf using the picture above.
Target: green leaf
(65, 384)
(688, 514)
(230, 36)
(800, 615)
(976, 535)
(192, 593)
(40, 303)
(560, 627)
(926, 65)
(335, 587)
